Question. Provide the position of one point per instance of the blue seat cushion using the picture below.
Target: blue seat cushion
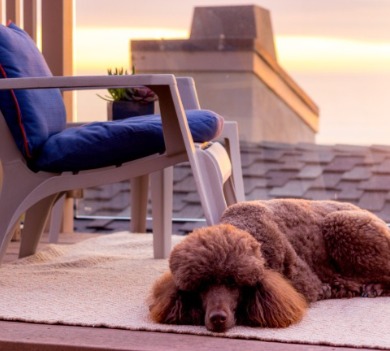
(101, 144)
(32, 115)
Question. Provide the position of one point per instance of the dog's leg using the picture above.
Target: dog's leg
(341, 288)
(358, 244)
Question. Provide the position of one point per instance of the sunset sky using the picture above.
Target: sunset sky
(338, 51)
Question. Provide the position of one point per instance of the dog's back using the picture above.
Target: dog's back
(279, 223)
(295, 237)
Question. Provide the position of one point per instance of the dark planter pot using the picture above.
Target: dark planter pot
(124, 109)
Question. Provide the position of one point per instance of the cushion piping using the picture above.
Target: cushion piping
(19, 115)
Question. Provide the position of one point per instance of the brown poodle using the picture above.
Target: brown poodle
(268, 260)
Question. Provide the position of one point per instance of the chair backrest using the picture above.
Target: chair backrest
(31, 115)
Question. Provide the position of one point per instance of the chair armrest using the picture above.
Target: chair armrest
(177, 135)
(186, 85)
(87, 82)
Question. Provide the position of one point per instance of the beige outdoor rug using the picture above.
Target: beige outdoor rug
(104, 282)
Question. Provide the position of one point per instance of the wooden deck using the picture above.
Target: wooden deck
(43, 337)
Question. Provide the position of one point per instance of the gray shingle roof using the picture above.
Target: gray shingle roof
(356, 174)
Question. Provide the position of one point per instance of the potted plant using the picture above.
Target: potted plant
(128, 102)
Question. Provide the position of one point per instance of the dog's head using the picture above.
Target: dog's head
(218, 278)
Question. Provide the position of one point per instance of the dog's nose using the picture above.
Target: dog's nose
(218, 320)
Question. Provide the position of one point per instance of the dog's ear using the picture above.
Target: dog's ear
(272, 303)
(168, 304)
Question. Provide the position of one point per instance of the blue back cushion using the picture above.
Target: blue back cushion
(32, 115)
(101, 144)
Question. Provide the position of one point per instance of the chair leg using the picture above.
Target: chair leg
(68, 214)
(230, 135)
(162, 197)
(10, 217)
(6, 239)
(57, 213)
(34, 224)
(139, 203)
(212, 170)
(230, 192)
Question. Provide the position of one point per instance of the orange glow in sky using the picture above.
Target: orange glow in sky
(97, 49)
(326, 54)
(338, 52)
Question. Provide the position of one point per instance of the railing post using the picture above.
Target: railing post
(57, 47)
(57, 41)
(30, 18)
(14, 11)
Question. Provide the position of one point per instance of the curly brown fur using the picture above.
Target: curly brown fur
(268, 260)
(221, 273)
(173, 306)
(326, 249)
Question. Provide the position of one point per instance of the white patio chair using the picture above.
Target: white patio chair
(32, 125)
(162, 181)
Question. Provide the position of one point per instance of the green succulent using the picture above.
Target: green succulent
(141, 94)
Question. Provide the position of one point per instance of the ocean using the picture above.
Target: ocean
(354, 107)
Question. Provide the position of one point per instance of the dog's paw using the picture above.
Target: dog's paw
(326, 292)
(340, 290)
(372, 290)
